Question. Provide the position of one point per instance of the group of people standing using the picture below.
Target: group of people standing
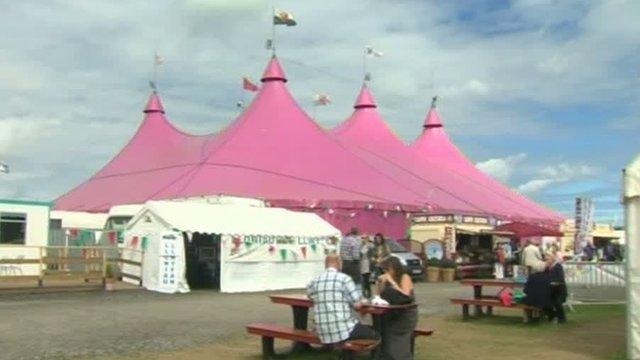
(545, 287)
(362, 259)
(344, 288)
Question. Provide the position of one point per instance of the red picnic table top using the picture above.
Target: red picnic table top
(302, 300)
(492, 282)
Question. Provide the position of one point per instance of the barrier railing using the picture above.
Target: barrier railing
(71, 263)
(592, 274)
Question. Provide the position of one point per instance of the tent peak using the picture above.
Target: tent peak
(154, 105)
(274, 71)
(365, 99)
(433, 119)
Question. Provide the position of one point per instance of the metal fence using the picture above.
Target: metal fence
(599, 274)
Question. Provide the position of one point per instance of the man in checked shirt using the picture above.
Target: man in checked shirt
(335, 297)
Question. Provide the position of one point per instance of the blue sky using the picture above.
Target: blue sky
(544, 95)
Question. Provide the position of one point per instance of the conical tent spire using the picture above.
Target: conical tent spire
(365, 99)
(433, 119)
(274, 71)
(154, 104)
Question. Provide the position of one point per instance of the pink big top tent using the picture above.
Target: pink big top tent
(435, 148)
(273, 151)
(369, 137)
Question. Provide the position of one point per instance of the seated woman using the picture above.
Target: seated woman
(395, 286)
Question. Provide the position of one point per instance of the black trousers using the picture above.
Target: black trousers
(363, 332)
(352, 268)
(556, 310)
(366, 285)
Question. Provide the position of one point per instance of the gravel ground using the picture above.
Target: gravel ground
(61, 326)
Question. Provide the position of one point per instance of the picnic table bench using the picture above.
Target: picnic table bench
(303, 339)
(481, 300)
(527, 310)
(269, 332)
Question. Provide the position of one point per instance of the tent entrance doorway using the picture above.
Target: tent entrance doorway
(203, 261)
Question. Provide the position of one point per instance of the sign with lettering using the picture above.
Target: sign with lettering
(260, 248)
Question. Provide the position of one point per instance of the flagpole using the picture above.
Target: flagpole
(273, 31)
(364, 65)
(155, 71)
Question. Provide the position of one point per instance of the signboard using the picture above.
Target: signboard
(275, 248)
(434, 249)
(449, 242)
(434, 219)
(583, 223)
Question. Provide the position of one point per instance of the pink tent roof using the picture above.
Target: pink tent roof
(157, 155)
(435, 147)
(368, 136)
(273, 151)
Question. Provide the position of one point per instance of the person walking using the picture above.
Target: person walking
(350, 255)
(366, 252)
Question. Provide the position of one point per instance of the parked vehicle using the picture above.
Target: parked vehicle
(409, 260)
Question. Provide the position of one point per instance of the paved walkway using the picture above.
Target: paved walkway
(57, 326)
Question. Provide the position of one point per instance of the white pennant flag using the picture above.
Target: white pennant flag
(369, 50)
(4, 168)
(158, 60)
(321, 99)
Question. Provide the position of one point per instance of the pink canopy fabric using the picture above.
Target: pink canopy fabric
(367, 135)
(435, 148)
(272, 151)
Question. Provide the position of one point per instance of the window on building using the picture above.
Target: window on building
(13, 228)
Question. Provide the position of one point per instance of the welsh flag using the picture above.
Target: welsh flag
(283, 18)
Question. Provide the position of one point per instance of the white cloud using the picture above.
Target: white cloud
(557, 174)
(86, 65)
(501, 168)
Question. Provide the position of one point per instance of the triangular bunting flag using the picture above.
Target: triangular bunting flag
(283, 254)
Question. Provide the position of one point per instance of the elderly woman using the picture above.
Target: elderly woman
(395, 286)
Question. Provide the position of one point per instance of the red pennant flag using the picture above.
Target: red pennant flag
(272, 249)
(304, 251)
(112, 237)
(134, 241)
(248, 85)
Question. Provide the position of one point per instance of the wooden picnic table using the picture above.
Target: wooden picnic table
(300, 304)
(478, 284)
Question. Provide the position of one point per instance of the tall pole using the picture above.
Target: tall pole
(273, 31)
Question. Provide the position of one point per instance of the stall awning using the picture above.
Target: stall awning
(525, 230)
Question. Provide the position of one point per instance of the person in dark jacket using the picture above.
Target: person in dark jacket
(537, 290)
(558, 289)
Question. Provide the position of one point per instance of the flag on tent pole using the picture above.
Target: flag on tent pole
(4, 168)
(249, 85)
(281, 17)
(321, 100)
(369, 50)
(158, 60)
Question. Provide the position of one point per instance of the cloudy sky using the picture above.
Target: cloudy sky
(544, 95)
